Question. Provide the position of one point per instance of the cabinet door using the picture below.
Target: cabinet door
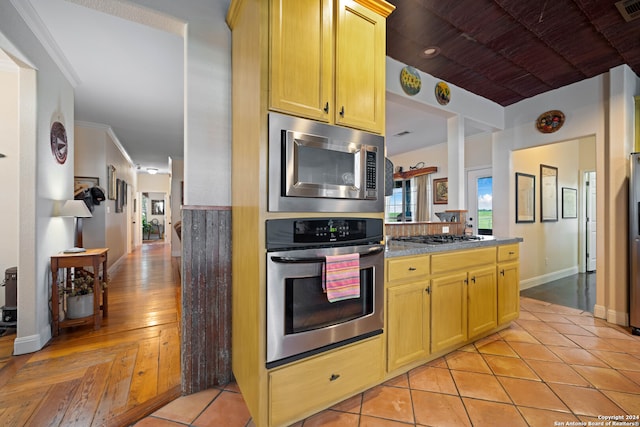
(508, 292)
(360, 67)
(448, 311)
(482, 290)
(407, 324)
(301, 57)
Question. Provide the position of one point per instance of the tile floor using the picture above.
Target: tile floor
(553, 366)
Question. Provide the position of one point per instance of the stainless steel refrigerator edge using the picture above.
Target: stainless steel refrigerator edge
(634, 243)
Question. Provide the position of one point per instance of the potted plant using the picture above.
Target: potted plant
(79, 294)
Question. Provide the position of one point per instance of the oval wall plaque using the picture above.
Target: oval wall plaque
(443, 93)
(410, 80)
(550, 121)
(59, 142)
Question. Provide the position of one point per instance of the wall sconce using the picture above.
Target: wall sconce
(79, 210)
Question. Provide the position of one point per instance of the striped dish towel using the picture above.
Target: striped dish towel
(342, 277)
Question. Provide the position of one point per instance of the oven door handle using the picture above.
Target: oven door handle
(294, 260)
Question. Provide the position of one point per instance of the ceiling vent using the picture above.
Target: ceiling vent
(629, 9)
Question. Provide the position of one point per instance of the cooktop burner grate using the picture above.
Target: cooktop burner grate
(435, 239)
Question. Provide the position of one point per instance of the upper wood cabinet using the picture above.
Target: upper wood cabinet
(327, 61)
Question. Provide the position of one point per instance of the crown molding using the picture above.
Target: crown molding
(111, 134)
(36, 25)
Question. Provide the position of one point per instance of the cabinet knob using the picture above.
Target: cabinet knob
(342, 111)
(428, 290)
(473, 279)
(326, 107)
(511, 253)
(502, 272)
(334, 377)
(412, 269)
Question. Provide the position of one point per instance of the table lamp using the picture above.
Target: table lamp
(79, 210)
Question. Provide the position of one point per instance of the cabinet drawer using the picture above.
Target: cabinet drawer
(312, 385)
(414, 267)
(462, 260)
(508, 252)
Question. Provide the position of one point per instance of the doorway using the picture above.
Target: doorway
(154, 214)
(590, 221)
(480, 200)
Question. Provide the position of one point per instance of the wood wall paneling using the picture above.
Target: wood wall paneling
(206, 297)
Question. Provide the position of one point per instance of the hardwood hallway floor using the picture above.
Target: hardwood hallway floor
(112, 376)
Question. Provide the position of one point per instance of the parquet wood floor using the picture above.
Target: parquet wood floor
(109, 377)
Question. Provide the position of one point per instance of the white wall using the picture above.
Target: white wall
(10, 147)
(97, 147)
(45, 97)
(207, 144)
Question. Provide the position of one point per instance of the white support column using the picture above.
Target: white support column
(455, 146)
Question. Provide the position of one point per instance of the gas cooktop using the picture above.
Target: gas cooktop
(438, 239)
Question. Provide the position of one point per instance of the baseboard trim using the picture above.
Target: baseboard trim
(618, 317)
(32, 343)
(600, 311)
(549, 277)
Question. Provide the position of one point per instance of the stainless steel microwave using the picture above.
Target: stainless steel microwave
(316, 167)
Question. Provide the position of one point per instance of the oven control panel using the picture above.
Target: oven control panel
(322, 231)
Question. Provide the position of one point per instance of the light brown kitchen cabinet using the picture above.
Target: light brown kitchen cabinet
(482, 303)
(298, 390)
(464, 296)
(408, 310)
(327, 62)
(469, 294)
(295, 57)
(449, 311)
(508, 283)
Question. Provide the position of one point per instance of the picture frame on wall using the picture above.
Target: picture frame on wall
(157, 207)
(118, 196)
(440, 191)
(112, 191)
(548, 193)
(569, 202)
(525, 198)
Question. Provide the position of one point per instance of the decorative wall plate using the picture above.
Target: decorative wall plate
(550, 121)
(443, 93)
(59, 142)
(410, 80)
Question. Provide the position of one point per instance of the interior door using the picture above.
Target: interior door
(590, 185)
(480, 200)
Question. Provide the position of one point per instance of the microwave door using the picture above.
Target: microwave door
(316, 168)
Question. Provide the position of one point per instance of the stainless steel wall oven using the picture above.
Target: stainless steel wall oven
(316, 167)
(301, 320)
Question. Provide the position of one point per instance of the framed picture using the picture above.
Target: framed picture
(118, 195)
(569, 202)
(112, 191)
(157, 207)
(123, 193)
(525, 197)
(440, 191)
(548, 193)
(82, 183)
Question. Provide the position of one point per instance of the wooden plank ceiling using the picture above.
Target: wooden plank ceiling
(509, 50)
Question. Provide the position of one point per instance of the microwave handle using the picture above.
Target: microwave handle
(294, 260)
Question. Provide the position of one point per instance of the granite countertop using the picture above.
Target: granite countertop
(396, 248)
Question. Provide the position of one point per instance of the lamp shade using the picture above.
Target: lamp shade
(76, 208)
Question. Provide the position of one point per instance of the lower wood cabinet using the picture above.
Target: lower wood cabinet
(408, 316)
(448, 311)
(508, 292)
(303, 388)
(443, 302)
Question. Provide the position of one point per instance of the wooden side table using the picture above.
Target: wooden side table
(89, 258)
